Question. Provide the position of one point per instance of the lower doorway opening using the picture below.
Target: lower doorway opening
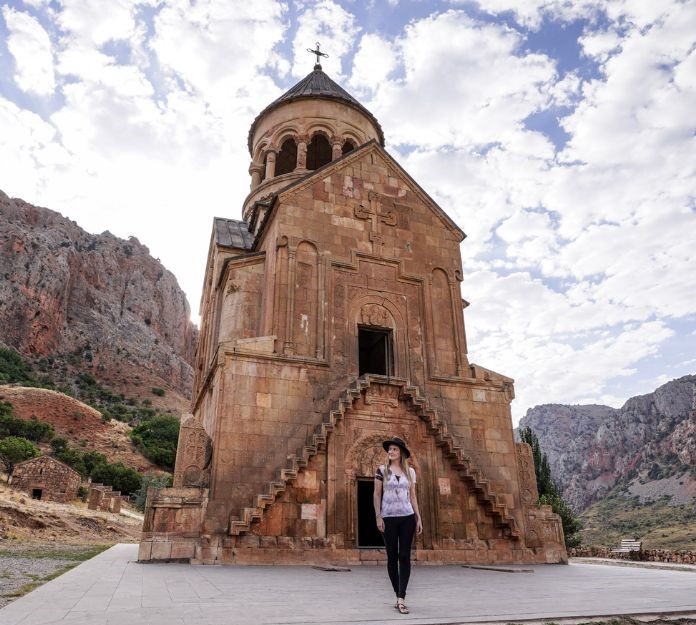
(368, 534)
(36, 493)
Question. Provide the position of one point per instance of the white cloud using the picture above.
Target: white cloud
(97, 22)
(333, 27)
(373, 62)
(30, 46)
(464, 85)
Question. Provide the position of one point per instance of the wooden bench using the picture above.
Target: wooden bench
(627, 545)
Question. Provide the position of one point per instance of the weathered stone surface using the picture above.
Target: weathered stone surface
(590, 448)
(63, 290)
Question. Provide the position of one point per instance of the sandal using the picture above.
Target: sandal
(401, 607)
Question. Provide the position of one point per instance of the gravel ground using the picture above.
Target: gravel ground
(23, 567)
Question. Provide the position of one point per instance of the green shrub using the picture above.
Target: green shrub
(32, 430)
(157, 439)
(14, 369)
(118, 476)
(151, 480)
(82, 493)
(14, 449)
(158, 391)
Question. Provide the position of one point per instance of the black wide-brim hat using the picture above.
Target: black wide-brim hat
(395, 440)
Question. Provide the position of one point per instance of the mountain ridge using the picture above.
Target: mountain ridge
(92, 302)
(594, 448)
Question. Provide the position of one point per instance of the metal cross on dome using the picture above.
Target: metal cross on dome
(318, 53)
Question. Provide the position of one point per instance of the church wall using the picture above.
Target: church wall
(240, 299)
(265, 411)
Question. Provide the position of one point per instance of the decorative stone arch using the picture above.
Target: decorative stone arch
(445, 357)
(286, 131)
(380, 312)
(306, 282)
(367, 453)
(260, 150)
(362, 459)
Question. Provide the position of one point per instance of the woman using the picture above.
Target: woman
(398, 517)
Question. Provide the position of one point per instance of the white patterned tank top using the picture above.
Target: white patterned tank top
(396, 493)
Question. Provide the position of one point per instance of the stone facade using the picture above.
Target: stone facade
(47, 479)
(332, 320)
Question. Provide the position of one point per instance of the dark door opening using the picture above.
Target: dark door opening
(368, 534)
(374, 351)
(36, 493)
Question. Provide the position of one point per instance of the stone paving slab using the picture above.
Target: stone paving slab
(113, 589)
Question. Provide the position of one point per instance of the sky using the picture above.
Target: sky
(560, 136)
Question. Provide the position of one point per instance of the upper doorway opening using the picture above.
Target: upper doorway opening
(375, 351)
(318, 152)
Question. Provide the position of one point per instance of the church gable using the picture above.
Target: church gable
(367, 201)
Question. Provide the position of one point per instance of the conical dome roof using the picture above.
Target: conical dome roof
(316, 85)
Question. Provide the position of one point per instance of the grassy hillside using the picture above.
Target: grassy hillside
(658, 524)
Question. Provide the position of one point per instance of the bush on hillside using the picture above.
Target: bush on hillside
(14, 370)
(32, 430)
(118, 476)
(14, 449)
(157, 438)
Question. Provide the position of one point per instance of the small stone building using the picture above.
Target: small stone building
(47, 479)
(332, 319)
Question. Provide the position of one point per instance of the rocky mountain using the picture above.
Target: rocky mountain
(95, 301)
(648, 446)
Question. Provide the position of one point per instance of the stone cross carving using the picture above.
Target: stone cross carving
(192, 454)
(376, 215)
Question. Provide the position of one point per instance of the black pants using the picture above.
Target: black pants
(398, 537)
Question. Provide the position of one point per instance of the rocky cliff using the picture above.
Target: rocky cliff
(648, 445)
(96, 300)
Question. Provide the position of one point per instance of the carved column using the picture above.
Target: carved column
(270, 164)
(292, 261)
(256, 171)
(460, 349)
(336, 149)
(302, 152)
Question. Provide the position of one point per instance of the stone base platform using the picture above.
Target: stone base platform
(304, 551)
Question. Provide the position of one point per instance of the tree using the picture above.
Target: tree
(14, 449)
(34, 430)
(151, 480)
(157, 438)
(13, 369)
(118, 476)
(545, 484)
(549, 492)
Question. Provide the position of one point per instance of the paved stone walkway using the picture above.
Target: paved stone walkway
(113, 589)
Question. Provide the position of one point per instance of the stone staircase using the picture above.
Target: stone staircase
(471, 475)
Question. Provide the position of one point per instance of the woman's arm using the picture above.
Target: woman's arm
(377, 502)
(414, 503)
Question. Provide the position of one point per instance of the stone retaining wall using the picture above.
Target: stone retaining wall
(645, 555)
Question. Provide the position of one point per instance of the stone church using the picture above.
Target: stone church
(332, 319)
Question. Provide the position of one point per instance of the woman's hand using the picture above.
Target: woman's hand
(380, 524)
(419, 525)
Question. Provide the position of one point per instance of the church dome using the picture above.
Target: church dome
(310, 125)
(316, 85)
